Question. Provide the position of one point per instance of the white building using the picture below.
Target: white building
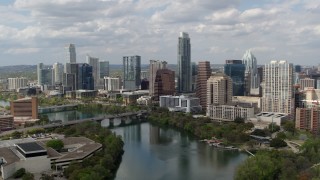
(57, 70)
(270, 117)
(278, 88)
(144, 100)
(112, 84)
(94, 62)
(16, 83)
(306, 83)
(180, 103)
(229, 113)
(71, 53)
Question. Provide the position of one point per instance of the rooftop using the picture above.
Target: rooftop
(8, 155)
(30, 147)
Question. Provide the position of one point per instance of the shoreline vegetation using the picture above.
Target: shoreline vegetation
(104, 163)
(265, 164)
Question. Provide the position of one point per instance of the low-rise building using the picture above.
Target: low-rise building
(144, 100)
(308, 119)
(248, 101)
(6, 122)
(24, 110)
(35, 157)
(181, 103)
(80, 94)
(229, 113)
(271, 117)
(131, 97)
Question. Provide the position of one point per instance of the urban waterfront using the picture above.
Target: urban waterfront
(153, 152)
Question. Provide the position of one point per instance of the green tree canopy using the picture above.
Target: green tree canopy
(56, 144)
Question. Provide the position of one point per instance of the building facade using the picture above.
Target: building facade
(252, 80)
(94, 62)
(6, 122)
(184, 63)
(70, 53)
(104, 69)
(112, 84)
(57, 69)
(16, 83)
(164, 83)
(131, 72)
(154, 66)
(236, 70)
(308, 119)
(307, 83)
(85, 77)
(24, 109)
(229, 113)
(204, 73)
(181, 103)
(219, 89)
(278, 88)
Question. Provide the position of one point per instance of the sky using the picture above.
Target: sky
(33, 31)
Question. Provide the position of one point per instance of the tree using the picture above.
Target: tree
(273, 127)
(28, 176)
(239, 120)
(16, 134)
(19, 173)
(290, 127)
(281, 135)
(277, 143)
(56, 144)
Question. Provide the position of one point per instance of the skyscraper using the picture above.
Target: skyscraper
(236, 70)
(85, 77)
(57, 69)
(39, 67)
(204, 73)
(104, 69)
(219, 89)
(131, 72)
(94, 62)
(164, 83)
(154, 66)
(278, 87)
(184, 63)
(70, 53)
(251, 73)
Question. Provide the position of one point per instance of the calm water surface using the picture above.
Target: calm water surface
(164, 154)
(154, 153)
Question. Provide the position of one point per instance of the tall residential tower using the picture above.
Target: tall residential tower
(131, 72)
(204, 73)
(184, 63)
(251, 73)
(70, 53)
(278, 88)
(154, 66)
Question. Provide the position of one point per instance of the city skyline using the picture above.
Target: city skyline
(37, 31)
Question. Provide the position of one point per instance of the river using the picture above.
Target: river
(154, 153)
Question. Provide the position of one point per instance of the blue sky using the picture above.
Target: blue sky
(33, 31)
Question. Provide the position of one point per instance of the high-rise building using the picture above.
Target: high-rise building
(70, 53)
(204, 73)
(164, 83)
(306, 83)
(219, 89)
(184, 63)
(85, 77)
(16, 83)
(57, 72)
(278, 88)
(104, 69)
(131, 72)
(236, 70)
(94, 62)
(112, 84)
(46, 76)
(251, 73)
(39, 67)
(154, 66)
(194, 75)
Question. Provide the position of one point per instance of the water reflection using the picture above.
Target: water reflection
(152, 152)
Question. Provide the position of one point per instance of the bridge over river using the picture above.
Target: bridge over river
(124, 118)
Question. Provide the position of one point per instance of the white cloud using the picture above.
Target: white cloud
(150, 28)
